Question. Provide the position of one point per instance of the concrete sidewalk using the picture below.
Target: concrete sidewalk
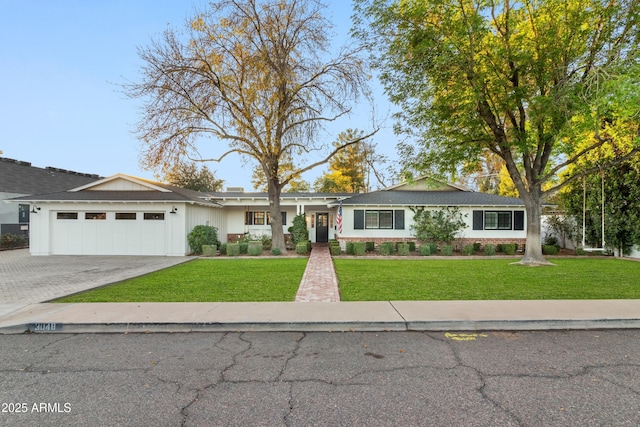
(322, 316)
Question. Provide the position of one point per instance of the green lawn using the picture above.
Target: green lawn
(491, 279)
(204, 280)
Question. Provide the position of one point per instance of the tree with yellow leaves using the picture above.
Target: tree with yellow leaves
(255, 74)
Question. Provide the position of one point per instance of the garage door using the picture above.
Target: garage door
(108, 233)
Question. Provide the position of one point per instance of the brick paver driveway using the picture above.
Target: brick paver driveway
(26, 279)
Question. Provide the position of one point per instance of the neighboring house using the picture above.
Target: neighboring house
(387, 215)
(124, 215)
(19, 178)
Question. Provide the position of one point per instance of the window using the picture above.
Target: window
(95, 215)
(378, 219)
(498, 220)
(125, 215)
(67, 215)
(259, 218)
(153, 216)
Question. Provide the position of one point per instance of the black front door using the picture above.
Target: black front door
(322, 228)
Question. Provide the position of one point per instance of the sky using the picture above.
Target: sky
(62, 64)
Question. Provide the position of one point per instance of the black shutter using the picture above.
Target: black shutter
(398, 219)
(518, 220)
(248, 218)
(284, 218)
(478, 220)
(358, 219)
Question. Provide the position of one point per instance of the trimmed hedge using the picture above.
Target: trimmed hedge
(549, 250)
(358, 248)
(424, 250)
(302, 248)
(468, 250)
(386, 248)
(233, 249)
(489, 250)
(370, 246)
(403, 249)
(446, 250)
(255, 248)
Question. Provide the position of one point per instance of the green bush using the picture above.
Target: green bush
(302, 248)
(254, 248)
(233, 249)
(349, 248)
(335, 249)
(12, 241)
(549, 250)
(434, 248)
(370, 246)
(468, 250)
(424, 250)
(509, 248)
(403, 249)
(299, 229)
(266, 242)
(358, 248)
(412, 246)
(489, 250)
(276, 251)
(209, 250)
(223, 249)
(202, 235)
(244, 247)
(580, 251)
(386, 248)
(477, 246)
(446, 250)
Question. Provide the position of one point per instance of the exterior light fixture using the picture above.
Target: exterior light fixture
(174, 210)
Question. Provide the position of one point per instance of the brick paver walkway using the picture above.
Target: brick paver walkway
(319, 282)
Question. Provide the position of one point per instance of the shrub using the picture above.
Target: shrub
(349, 248)
(580, 251)
(489, 250)
(468, 250)
(12, 240)
(254, 248)
(299, 229)
(223, 249)
(276, 251)
(434, 248)
(302, 248)
(335, 249)
(209, 250)
(403, 249)
(424, 250)
(370, 246)
(233, 249)
(412, 246)
(244, 247)
(509, 248)
(358, 248)
(386, 248)
(202, 235)
(446, 250)
(549, 250)
(266, 242)
(477, 246)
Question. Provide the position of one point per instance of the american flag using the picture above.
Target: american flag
(339, 218)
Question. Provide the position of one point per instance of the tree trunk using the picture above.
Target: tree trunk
(533, 250)
(277, 234)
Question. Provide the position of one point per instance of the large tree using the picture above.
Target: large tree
(518, 78)
(256, 74)
(188, 175)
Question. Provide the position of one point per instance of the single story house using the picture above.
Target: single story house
(124, 215)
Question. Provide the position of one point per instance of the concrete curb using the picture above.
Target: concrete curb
(323, 316)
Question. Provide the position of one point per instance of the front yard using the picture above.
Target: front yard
(277, 279)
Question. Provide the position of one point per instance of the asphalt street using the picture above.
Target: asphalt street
(552, 378)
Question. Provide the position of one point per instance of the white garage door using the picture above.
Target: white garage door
(108, 233)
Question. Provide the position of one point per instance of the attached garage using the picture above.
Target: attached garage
(119, 215)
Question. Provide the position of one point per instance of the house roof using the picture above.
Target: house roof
(283, 196)
(21, 178)
(429, 198)
(111, 190)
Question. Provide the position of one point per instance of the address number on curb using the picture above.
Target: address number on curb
(45, 327)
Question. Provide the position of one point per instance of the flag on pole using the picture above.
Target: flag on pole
(339, 218)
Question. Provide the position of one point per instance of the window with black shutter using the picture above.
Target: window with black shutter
(399, 219)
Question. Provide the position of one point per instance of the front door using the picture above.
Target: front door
(322, 228)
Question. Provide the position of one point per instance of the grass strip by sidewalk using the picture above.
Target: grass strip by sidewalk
(207, 280)
(491, 279)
